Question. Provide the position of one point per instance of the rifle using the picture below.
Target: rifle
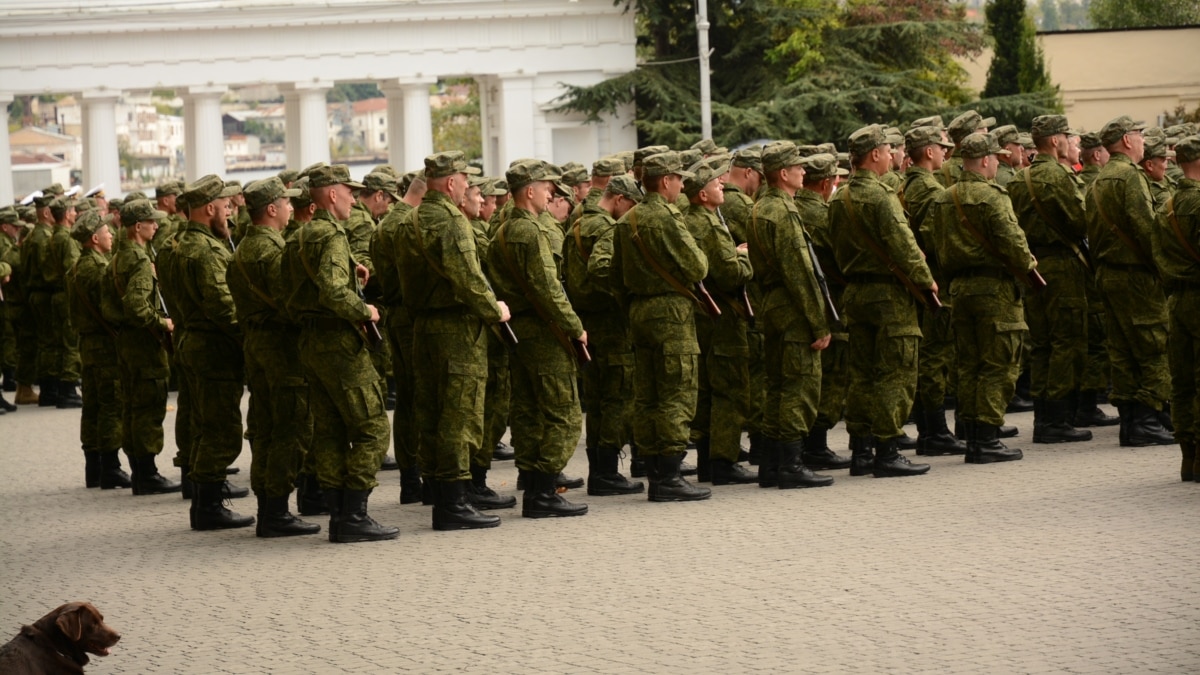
(698, 294)
(821, 281)
(370, 329)
(167, 340)
(742, 307)
(1032, 278)
(926, 296)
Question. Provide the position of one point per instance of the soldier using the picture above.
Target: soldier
(62, 345)
(981, 247)
(210, 350)
(655, 262)
(1093, 155)
(794, 325)
(1153, 165)
(894, 178)
(100, 419)
(1049, 209)
(450, 301)
(1010, 139)
(1120, 221)
(608, 381)
(131, 304)
(280, 414)
(877, 253)
(12, 309)
(1095, 377)
(575, 176)
(166, 196)
(1175, 235)
(33, 330)
(350, 424)
(959, 128)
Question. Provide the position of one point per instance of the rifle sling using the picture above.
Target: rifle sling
(658, 269)
(1037, 205)
(258, 291)
(987, 244)
(361, 330)
(579, 242)
(879, 252)
(527, 291)
(1126, 239)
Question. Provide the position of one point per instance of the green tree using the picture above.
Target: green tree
(457, 125)
(1049, 10)
(1005, 25)
(352, 91)
(265, 132)
(1144, 13)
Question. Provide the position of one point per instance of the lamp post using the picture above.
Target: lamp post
(705, 93)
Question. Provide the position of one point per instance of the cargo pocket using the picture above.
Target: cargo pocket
(1010, 339)
(905, 343)
(679, 362)
(365, 401)
(465, 384)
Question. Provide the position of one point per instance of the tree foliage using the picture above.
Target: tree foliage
(1005, 24)
(1144, 13)
(457, 125)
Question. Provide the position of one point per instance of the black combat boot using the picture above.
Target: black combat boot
(112, 476)
(1021, 401)
(503, 452)
(726, 472)
(668, 485)
(355, 524)
(389, 464)
(562, 480)
(817, 455)
(333, 505)
(1089, 414)
(984, 446)
(906, 442)
(68, 395)
(756, 441)
(147, 480)
(209, 512)
(541, 498)
(429, 491)
(792, 472)
(310, 498)
(483, 497)
(410, 485)
(637, 463)
(604, 476)
(1187, 470)
(1055, 424)
(185, 483)
(47, 392)
(768, 461)
(232, 491)
(1144, 427)
(452, 510)
(936, 439)
(862, 459)
(5, 406)
(889, 463)
(1164, 417)
(274, 519)
(91, 469)
(10, 380)
(703, 460)
(1008, 430)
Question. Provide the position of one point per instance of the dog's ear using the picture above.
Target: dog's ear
(70, 622)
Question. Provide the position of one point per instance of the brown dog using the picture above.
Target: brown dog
(59, 642)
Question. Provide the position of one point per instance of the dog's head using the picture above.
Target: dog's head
(84, 626)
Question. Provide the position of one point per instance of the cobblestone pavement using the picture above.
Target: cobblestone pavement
(1082, 558)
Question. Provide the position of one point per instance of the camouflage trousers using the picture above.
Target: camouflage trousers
(545, 415)
(60, 345)
(212, 364)
(664, 373)
(185, 439)
(758, 380)
(608, 381)
(835, 382)
(24, 329)
(885, 339)
(497, 401)
(793, 375)
(1184, 356)
(936, 365)
(989, 333)
(723, 384)
(351, 433)
(37, 327)
(100, 418)
(450, 368)
(1058, 321)
(144, 373)
(1136, 312)
(279, 414)
(8, 334)
(1095, 370)
(404, 424)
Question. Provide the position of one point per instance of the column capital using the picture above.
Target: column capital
(205, 90)
(99, 95)
(398, 85)
(314, 85)
(7, 97)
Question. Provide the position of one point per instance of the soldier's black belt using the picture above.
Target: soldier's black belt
(984, 272)
(326, 323)
(872, 279)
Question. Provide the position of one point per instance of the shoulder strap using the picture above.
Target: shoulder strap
(579, 240)
(527, 291)
(758, 242)
(654, 264)
(925, 297)
(987, 244)
(1187, 245)
(1037, 205)
(1125, 238)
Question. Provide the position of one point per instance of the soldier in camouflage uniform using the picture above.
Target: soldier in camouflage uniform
(280, 414)
(894, 178)
(545, 416)
(100, 419)
(988, 318)
(451, 302)
(499, 387)
(129, 303)
(959, 128)
(1120, 221)
(881, 315)
(62, 345)
(13, 307)
(35, 329)
(210, 350)
(794, 324)
(662, 323)
(1009, 139)
(346, 398)
(1095, 377)
(1155, 158)
(1175, 237)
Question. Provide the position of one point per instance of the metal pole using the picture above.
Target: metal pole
(705, 94)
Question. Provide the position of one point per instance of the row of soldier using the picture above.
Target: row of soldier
(698, 292)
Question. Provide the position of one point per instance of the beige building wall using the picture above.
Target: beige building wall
(1105, 74)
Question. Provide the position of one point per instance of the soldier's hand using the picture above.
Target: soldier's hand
(934, 287)
(374, 312)
(505, 315)
(170, 326)
(362, 273)
(583, 337)
(743, 247)
(821, 343)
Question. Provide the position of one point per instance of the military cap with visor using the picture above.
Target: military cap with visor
(625, 186)
(979, 145)
(704, 172)
(1007, 134)
(608, 166)
(89, 224)
(139, 210)
(262, 193)
(664, 164)
(867, 139)
(749, 157)
(442, 164)
(1187, 150)
(378, 180)
(968, 123)
(1049, 125)
(207, 189)
(1115, 130)
(640, 155)
(528, 171)
(822, 166)
(919, 137)
(338, 174)
(780, 155)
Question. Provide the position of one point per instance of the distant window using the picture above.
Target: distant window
(382, 138)
(380, 121)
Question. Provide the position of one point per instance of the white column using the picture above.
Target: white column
(291, 127)
(205, 145)
(101, 161)
(517, 118)
(395, 122)
(485, 115)
(418, 122)
(6, 175)
(312, 126)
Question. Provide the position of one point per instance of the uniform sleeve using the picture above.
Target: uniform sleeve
(1069, 201)
(682, 249)
(1006, 234)
(335, 281)
(138, 301)
(537, 265)
(897, 239)
(728, 267)
(460, 262)
(359, 231)
(1140, 209)
(799, 279)
(215, 299)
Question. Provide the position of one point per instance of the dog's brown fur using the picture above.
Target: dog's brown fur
(59, 642)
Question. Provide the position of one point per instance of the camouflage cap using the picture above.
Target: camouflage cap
(55, 190)
(1157, 146)
(289, 176)
(627, 157)
(501, 184)
(491, 189)
(208, 189)
(827, 148)
(312, 167)
(934, 121)
(27, 213)
(114, 204)
(867, 139)
(808, 150)
(44, 198)
(978, 145)
(138, 194)
(919, 137)
(664, 164)
(168, 188)
(625, 186)
(1187, 150)
(822, 166)
(262, 193)
(1089, 140)
(1007, 134)
(704, 172)
(640, 155)
(528, 171)
(608, 166)
(229, 183)
(9, 216)
(894, 137)
(444, 164)
(574, 173)
(480, 182)
(707, 146)
(139, 210)
(85, 205)
(780, 155)
(1049, 125)
(1116, 129)
(338, 174)
(968, 123)
(1026, 141)
(377, 180)
(304, 199)
(690, 157)
(387, 170)
(749, 158)
(89, 224)
(61, 204)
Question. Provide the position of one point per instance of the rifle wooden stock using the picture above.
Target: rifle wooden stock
(374, 338)
(931, 300)
(582, 355)
(506, 335)
(705, 300)
(1035, 280)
